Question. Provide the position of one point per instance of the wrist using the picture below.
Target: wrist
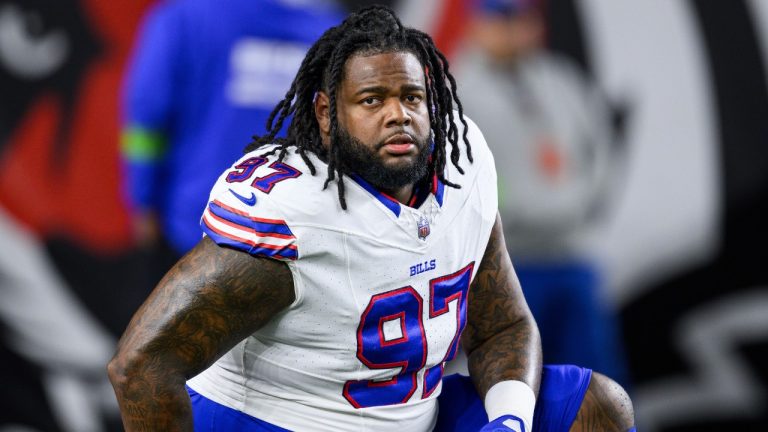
(511, 398)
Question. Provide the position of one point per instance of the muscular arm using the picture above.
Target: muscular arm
(501, 338)
(208, 302)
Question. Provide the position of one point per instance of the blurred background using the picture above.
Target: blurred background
(632, 159)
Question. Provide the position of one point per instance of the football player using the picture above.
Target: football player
(345, 264)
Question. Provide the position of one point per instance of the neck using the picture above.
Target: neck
(403, 194)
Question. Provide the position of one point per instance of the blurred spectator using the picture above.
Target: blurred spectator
(204, 78)
(550, 133)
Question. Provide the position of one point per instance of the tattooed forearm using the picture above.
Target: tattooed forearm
(501, 338)
(506, 356)
(208, 302)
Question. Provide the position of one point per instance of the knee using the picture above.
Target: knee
(606, 407)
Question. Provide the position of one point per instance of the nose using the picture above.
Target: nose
(397, 113)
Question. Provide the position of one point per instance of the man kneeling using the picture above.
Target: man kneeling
(344, 265)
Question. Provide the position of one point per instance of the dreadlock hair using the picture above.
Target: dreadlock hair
(372, 30)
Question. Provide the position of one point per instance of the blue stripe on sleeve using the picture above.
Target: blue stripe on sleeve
(223, 240)
(249, 223)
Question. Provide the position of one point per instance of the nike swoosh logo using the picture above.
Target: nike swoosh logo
(248, 201)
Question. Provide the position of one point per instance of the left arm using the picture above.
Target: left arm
(501, 338)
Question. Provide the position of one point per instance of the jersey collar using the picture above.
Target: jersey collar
(436, 188)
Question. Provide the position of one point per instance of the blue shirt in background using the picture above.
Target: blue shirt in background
(204, 77)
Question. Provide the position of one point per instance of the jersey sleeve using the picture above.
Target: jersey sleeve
(242, 217)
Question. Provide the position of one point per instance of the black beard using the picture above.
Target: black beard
(358, 158)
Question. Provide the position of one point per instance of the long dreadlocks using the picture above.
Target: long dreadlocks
(373, 30)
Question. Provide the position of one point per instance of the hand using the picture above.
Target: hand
(507, 423)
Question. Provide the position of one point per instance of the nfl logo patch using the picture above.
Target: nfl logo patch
(423, 226)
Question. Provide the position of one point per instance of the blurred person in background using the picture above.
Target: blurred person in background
(550, 132)
(204, 77)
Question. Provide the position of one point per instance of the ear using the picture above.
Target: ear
(323, 113)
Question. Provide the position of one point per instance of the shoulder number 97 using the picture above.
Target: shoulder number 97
(245, 169)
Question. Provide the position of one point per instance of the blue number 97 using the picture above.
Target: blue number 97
(405, 347)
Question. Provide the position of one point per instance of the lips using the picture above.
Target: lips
(399, 144)
(400, 138)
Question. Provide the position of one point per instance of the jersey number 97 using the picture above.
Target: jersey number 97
(407, 351)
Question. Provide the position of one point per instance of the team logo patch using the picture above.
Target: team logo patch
(423, 227)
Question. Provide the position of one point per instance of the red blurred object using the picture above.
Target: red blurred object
(77, 195)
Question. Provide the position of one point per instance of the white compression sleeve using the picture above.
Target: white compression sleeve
(511, 397)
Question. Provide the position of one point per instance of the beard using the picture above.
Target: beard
(367, 163)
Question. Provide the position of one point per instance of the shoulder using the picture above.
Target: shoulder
(273, 184)
(256, 202)
(475, 135)
(478, 183)
(481, 158)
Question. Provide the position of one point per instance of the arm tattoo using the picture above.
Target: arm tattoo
(208, 302)
(501, 338)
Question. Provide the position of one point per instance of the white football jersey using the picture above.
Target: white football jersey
(381, 292)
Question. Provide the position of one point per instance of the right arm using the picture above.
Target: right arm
(209, 301)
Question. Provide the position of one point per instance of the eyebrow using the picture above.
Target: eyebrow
(383, 89)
